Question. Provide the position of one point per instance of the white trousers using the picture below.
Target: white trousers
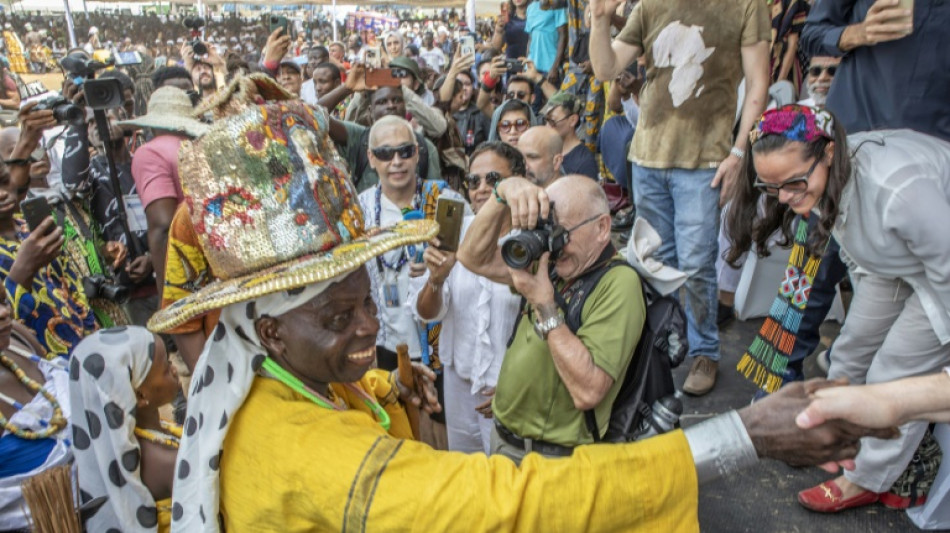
(886, 336)
(468, 430)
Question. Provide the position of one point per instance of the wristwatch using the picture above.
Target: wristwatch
(544, 326)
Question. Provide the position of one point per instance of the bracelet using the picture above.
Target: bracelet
(720, 446)
(738, 152)
(498, 197)
(20, 161)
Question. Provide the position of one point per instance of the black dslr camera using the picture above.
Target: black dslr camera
(521, 249)
(79, 67)
(101, 286)
(195, 24)
(64, 111)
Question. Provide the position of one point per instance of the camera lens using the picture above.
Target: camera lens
(69, 113)
(114, 292)
(521, 250)
(199, 48)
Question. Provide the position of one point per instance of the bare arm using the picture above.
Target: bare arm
(479, 250)
(190, 346)
(789, 58)
(606, 57)
(755, 67)
(882, 404)
(559, 58)
(159, 215)
(585, 381)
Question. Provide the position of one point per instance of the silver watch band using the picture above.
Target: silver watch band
(720, 446)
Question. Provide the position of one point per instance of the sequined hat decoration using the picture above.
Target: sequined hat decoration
(794, 122)
(272, 204)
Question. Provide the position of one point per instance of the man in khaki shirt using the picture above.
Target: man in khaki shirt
(684, 155)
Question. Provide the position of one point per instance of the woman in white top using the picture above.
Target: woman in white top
(477, 314)
(885, 197)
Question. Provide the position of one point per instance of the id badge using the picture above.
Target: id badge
(391, 294)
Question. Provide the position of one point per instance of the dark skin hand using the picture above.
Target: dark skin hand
(40, 248)
(139, 268)
(771, 425)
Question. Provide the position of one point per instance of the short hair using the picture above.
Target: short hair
(522, 79)
(329, 66)
(505, 151)
(163, 74)
(124, 80)
(390, 120)
(319, 48)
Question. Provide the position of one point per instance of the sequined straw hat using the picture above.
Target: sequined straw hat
(271, 201)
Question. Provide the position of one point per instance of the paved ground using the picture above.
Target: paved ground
(763, 500)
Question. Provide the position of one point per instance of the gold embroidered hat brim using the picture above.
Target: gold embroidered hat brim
(294, 274)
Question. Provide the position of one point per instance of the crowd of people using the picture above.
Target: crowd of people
(236, 267)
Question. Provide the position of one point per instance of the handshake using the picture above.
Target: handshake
(821, 422)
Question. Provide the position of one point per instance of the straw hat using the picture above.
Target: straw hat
(271, 201)
(170, 109)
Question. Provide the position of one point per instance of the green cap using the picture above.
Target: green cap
(562, 99)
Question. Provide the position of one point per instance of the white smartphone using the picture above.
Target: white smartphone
(371, 57)
(467, 44)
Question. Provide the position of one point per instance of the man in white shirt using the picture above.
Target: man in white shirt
(432, 54)
(394, 155)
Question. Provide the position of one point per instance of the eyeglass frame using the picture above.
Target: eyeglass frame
(553, 123)
(502, 127)
(830, 69)
(766, 188)
(491, 178)
(395, 150)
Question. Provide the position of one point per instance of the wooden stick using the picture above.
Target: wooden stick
(407, 379)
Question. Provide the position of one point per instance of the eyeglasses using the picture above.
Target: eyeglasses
(551, 122)
(472, 181)
(519, 125)
(516, 95)
(585, 222)
(816, 70)
(792, 185)
(386, 153)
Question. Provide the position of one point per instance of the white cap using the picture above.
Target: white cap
(93, 30)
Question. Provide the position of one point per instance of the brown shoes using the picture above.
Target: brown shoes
(702, 376)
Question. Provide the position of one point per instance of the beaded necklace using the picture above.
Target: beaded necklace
(403, 254)
(298, 386)
(55, 424)
(168, 438)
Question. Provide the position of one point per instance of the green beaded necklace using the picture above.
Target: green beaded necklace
(298, 386)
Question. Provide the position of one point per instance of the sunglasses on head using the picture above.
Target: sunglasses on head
(816, 70)
(516, 95)
(792, 185)
(387, 153)
(519, 125)
(472, 181)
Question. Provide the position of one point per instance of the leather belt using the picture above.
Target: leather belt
(532, 445)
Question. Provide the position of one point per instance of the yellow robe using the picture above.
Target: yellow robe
(289, 465)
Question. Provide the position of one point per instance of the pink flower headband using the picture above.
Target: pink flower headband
(794, 122)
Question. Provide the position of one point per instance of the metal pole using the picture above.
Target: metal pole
(69, 25)
(84, 9)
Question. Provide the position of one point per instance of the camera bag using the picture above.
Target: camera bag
(649, 377)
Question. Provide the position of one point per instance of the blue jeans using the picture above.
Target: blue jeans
(684, 210)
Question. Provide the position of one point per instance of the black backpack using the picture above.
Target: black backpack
(649, 377)
(362, 162)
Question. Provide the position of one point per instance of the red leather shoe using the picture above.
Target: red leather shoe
(826, 498)
(893, 501)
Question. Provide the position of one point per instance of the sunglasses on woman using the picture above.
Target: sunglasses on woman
(816, 70)
(793, 185)
(386, 153)
(519, 125)
(472, 181)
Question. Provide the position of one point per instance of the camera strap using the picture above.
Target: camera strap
(88, 241)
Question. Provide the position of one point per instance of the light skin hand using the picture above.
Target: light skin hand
(725, 177)
(603, 9)
(117, 252)
(526, 201)
(438, 262)
(535, 287)
(884, 22)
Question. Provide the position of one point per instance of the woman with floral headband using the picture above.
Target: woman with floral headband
(885, 198)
